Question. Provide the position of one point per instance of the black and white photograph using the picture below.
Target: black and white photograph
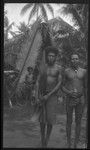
(45, 77)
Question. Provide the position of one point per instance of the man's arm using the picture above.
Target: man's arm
(64, 80)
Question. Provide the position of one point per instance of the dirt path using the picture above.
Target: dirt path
(21, 132)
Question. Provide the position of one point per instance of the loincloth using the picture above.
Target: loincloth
(71, 101)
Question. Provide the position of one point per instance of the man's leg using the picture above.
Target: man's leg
(78, 117)
(42, 128)
(48, 133)
(69, 111)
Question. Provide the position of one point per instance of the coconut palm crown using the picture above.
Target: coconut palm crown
(36, 8)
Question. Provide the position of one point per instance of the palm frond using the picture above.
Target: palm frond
(13, 33)
(10, 26)
(26, 7)
(44, 14)
(32, 13)
(70, 9)
(23, 27)
(50, 9)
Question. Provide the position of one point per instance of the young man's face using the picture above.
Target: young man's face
(75, 59)
(51, 57)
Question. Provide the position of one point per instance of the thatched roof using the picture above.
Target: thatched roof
(61, 30)
(60, 24)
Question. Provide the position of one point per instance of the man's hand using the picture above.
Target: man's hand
(60, 100)
(66, 91)
(76, 94)
(45, 97)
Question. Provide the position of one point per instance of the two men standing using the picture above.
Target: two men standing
(72, 82)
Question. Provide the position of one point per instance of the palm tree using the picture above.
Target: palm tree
(7, 27)
(80, 17)
(23, 28)
(35, 8)
(79, 14)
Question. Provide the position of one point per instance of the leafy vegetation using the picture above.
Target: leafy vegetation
(79, 40)
(36, 9)
(55, 31)
(66, 37)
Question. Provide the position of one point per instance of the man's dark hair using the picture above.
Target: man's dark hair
(29, 68)
(75, 53)
(51, 49)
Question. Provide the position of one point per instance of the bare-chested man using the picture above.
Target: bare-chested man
(74, 86)
(49, 82)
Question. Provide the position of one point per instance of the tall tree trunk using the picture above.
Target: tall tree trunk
(37, 12)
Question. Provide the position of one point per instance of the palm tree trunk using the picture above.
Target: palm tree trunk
(37, 12)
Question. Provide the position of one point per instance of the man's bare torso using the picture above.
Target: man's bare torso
(52, 75)
(75, 79)
(29, 78)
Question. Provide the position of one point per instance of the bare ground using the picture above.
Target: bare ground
(20, 132)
